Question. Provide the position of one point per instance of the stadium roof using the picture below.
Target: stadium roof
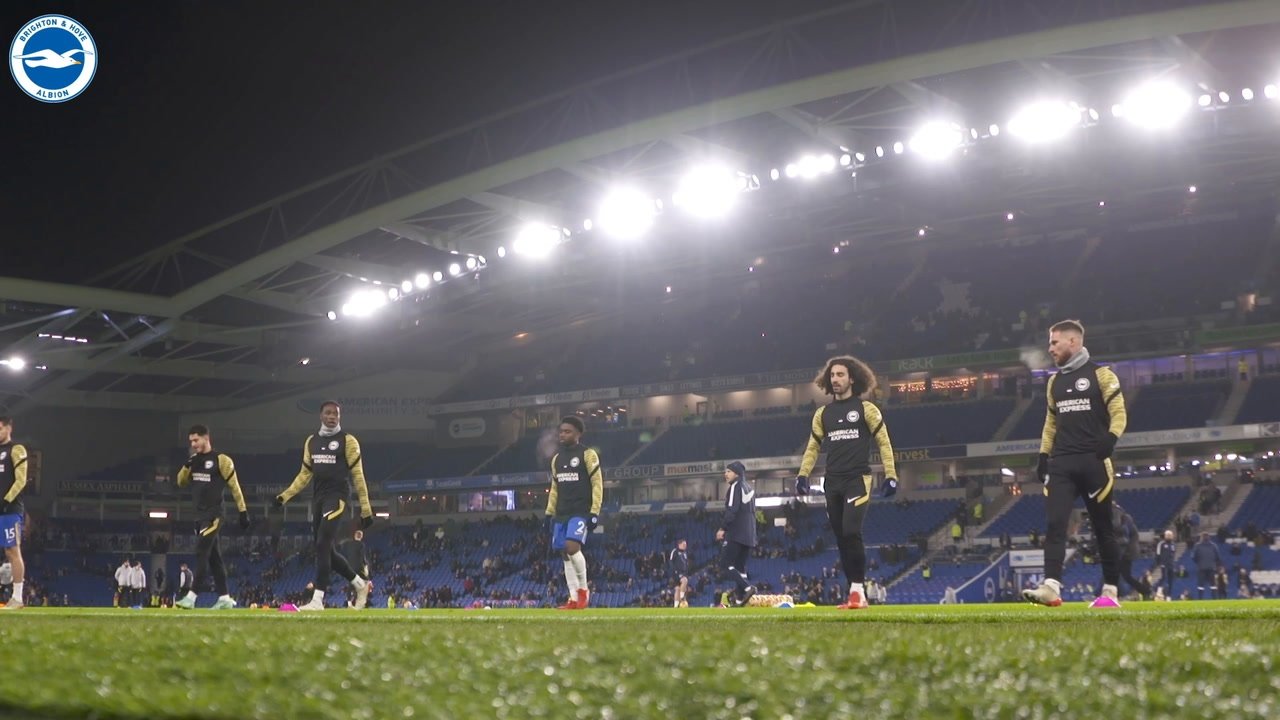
(225, 315)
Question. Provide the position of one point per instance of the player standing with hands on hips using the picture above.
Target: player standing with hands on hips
(844, 428)
(573, 506)
(1086, 417)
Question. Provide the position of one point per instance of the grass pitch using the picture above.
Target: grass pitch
(1175, 660)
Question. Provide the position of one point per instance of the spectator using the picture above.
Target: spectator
(1207, 558)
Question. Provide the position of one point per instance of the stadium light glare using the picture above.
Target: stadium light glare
(792, 170)
(1247, 93)
(774, 174)
(1270, 91)
(827, 162)
(994, 130)
(406, 286)
(502, 252)
(1191, 189)
(364, 303)
(157, 514)
(899, 148)
(1045, 121)
(536, 241)
(1224, 96)
(1205, 100)
(1232, 456)
(626, 213)
(472, 263)
(437, 276)
(393, 293)
(879, 151)
(455, 269)
(332, 315)
(1008, 216)
(846, 160)
(587, 225)
(809, 167)
(422, 281)
(668, 289)
(860, 157)
(708, 191)
(935, 140)
(14, 363)
(1155, 105)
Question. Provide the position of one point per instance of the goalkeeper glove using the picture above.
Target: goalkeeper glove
(1106, 446)
(365, 521)
(1042, 468)
(802, 485)
(890, 487)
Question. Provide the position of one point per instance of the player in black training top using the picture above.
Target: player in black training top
(332, 459)
(1085, 418)
(845, 429)
(210, 473)
(738, 531)
(678, 570)
(13, 480)
(573, 506)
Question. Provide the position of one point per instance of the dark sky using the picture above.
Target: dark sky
(201, 109)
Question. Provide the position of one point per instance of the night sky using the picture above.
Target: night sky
(200, 110)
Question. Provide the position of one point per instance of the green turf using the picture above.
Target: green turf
(1175, 660)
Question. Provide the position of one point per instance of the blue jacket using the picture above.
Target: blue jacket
(740, 513)
(1205, 554)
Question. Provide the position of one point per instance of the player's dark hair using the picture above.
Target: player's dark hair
(1074, 326)
(327, 403)
(575, 421)
(201, 430)
(864, 380)
(6, 420)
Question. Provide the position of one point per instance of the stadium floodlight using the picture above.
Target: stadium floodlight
(846, 160)
(1008, 216)
(879, 151)
(993, 130)
(1205, 100)
(774, 174)
(810, 166)
(536, 240)
(792, 170)
(935, 140)
(899, 148)
(437, 276)
(587, 225)
(406, 286)
(1270, 91)
(1224, 96)
(393, 293)
(1191, 189)
(1155, 106)
(1247, 93)
(472, 263)
(454, 269)
(332, 315)
(502, 252)
(859, 157)
(422, 281)
(1045, 121)
(14, 363)
(708, 191)
(827, 163)
(626, 213)
(364, 303)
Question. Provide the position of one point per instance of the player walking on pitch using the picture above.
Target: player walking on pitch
(13, 480)
(844, 428)
(1086, 417)
(332, 459)
(573, 506)
(209, 473)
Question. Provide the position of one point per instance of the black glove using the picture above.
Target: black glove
(890, 487)
(1042, 468)
(1106, 446)
(365, 521)
(802, 485)
(593, 521)
(245, 520)
(189, 461)
(278, 501)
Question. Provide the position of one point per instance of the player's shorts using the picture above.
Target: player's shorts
(575, 528)
(10, 530)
